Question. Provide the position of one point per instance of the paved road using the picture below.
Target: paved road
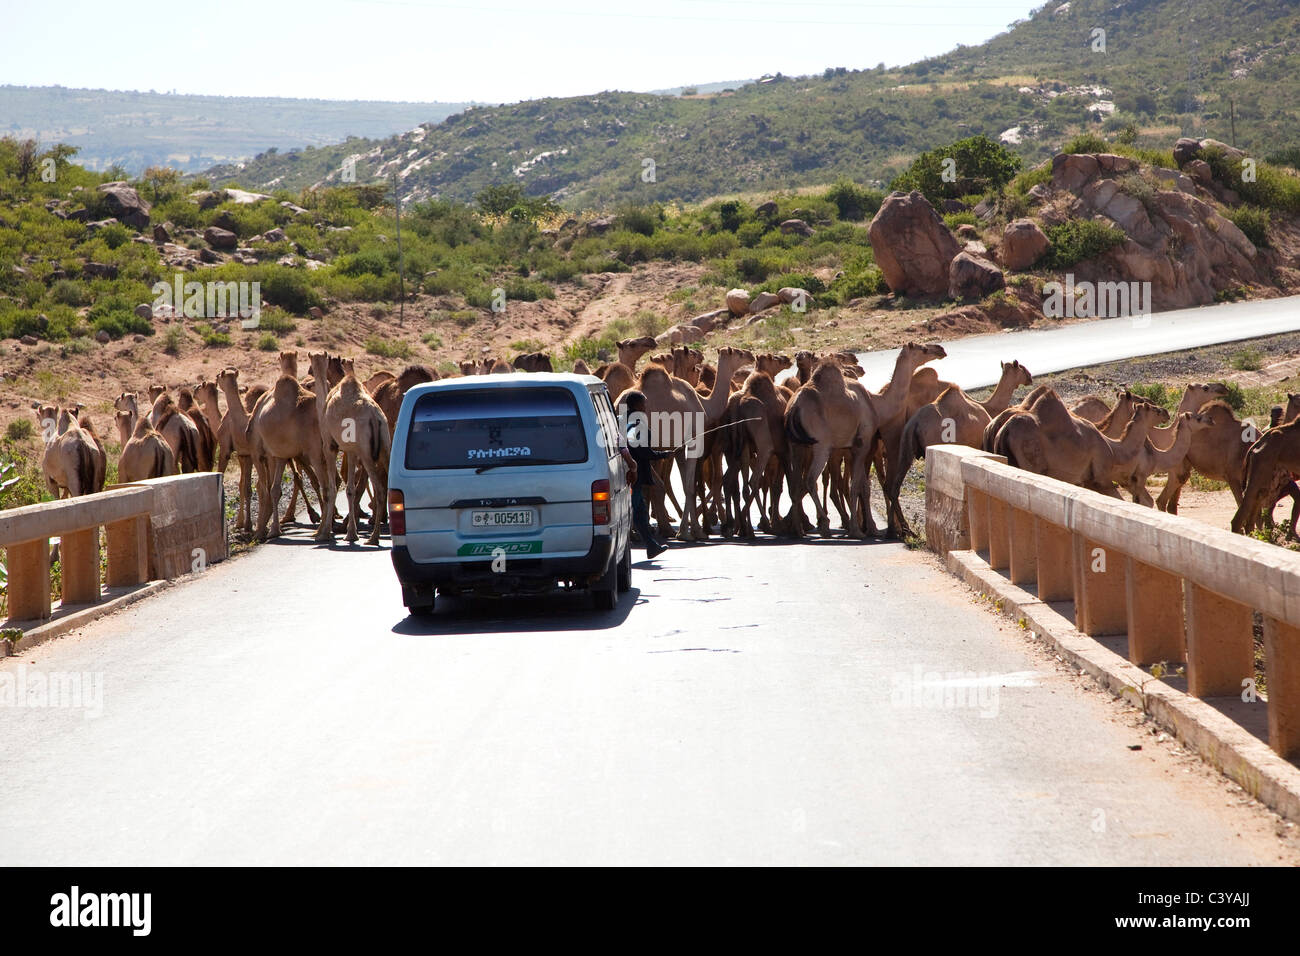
(973, 362)
(745, 704)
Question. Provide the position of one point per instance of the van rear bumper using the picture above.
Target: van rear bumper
(475, 574)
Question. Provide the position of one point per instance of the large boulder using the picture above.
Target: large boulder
(796, 227)
(219, 238)
(1023, 244)
(970, 277)
(738, 301)
(912, 246)
(125, 204)
(763, 301)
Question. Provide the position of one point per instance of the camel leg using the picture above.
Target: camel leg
(275, 474)
(688, 531)
(325, 469)
(820, 456)
(378, 497)
(245, 518)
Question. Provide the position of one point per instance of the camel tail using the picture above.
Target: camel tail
(795, 431)
(86, 469)
(189, 454)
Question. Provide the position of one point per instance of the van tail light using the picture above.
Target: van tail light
(396, 513)
(600, 501)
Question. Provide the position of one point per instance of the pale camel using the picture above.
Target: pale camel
(145, 453)
(1155, 460)
(101, 454)
(69, 461)
(667, 396)
(1048, 440)
(953, 418)
(631, 350)
(715, 402)
(1195, 395)
(755, 447)
(352, 422)
(284, 426)
(828, 413)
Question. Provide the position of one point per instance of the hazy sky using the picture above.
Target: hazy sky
(492, 51)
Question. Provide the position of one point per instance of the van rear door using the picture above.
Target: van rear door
(501, 467)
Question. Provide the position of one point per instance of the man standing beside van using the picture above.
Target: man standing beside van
(642, 477)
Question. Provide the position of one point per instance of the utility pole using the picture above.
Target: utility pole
(401, 272)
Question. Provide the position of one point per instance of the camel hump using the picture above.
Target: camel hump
(760, 386)
(654, 375)
(828, 374)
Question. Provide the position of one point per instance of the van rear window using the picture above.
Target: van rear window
(472, 428)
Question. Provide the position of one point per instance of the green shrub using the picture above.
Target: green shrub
(1252, 221)
(268, 342)
(19, 429)
(854, 202)
(291, 291)
(1087, 143)
(1272, 189)
(388, 348)
(1247, 360)
(641, 219)
(174, 340)
(1080, 239)
(980, 165)
(275, 321)
(70, 292)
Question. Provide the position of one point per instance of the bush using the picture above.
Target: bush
(981, 165)
(1273, 188)
(1252, 221)
(1080, 239)
(1247, 360)
(289, 290)
(70, 292)
(854, 202)
(1087, 143)
(174, 340)
(19, 429)
(641, 219)
(268, 342)
(388, 348)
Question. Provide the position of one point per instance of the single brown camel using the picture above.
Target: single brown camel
(1217, 452)
(352, 422)
(389, 394)
(672, 399)
(206, 451)
(1276, 452)
(284, 425)
(828, 413)
(953, 418)
(755, 447)
(580, 368)
(69, 461)
(533, 362)
(1195, 395)
(631, 350)
(145, 453)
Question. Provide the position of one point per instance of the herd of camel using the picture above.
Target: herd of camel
(814, 430)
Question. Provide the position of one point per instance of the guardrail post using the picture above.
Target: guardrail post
(1024, 551)
(1055, 562)
(79, 566)
(999, 548)
(977, 509)
(128, 551)
(1220, 644)
(1102, 593)
(1282, 667)
(28, 566)
(1155, 615)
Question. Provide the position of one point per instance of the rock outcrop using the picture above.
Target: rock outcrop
(125, 205)
(1023, 244)
(912, 246)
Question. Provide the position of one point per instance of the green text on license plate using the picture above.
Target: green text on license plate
(508, 547)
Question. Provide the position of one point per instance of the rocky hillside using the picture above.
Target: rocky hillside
(1161, 68)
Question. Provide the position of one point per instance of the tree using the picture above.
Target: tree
(977, 165)
(26, 158)
(161, 179)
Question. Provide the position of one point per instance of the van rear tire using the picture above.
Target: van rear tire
(605, 591)
(625, 569)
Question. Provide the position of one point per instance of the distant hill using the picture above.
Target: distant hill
(1163, 66)
(192, 133)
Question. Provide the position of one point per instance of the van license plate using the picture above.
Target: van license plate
(502, 519)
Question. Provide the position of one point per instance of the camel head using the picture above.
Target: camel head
(349, 367)
(1219, 414)
(47, 419)
(772, 364)
(1292, 408)
(155, 391)
(630, 350)
(125, 426)
(126, 403)
(228, 378)
(1019, 374)
(1149, 414)
(468, 368)
(915, 355)
(319, 362)
(580, 368)
(289, 364)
